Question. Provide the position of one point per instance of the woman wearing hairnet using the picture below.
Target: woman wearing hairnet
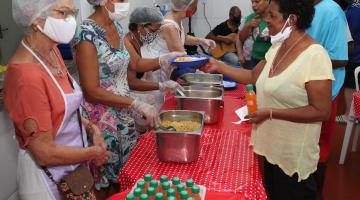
(143, 19)
(42, 101)
(103, 61)
(172, 36)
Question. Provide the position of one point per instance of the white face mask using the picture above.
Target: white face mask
(121, 11)
(283, 34)
(59, 30)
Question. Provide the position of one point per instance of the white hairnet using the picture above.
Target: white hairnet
(26, 11)
(97, 2)
(145, 15)
(180, 5)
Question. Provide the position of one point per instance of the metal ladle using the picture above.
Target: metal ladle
(169, 128)
(181, 90)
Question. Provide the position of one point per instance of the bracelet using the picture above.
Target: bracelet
(270, 117)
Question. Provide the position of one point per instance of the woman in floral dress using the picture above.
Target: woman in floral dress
(102, 61)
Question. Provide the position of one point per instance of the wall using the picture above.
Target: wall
(216, 11)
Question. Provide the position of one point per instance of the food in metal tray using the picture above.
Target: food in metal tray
(182, 126)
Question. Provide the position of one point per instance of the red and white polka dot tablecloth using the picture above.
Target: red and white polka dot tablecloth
(227, 166)
(357, 104)
(238, 92)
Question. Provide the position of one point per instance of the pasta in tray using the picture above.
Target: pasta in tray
(182, 126)
(188, 59)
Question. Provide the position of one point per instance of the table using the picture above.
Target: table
(226, 165)
(357, 104)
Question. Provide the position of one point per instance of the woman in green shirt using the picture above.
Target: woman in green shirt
(256, 28)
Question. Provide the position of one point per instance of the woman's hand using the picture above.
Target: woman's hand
(164, 60)
(149, 111)
(168, 85)
(95, 133)
(206, 42)
(258, 116)
(101, 156)
(211, 66)
(98, 140)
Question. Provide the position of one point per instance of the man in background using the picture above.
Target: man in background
(226, 34)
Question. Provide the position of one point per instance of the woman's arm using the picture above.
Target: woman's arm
(243, 76)
(89, 78)
(47, 153)
(172, 37)
(139, 64)
(319, 108)
(239, 49)
(138, 84)
(94, 133)
(191, 40)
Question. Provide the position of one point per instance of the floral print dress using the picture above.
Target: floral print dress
(116, 124)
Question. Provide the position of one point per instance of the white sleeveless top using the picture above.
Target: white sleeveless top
(158, 46)
(153, 50)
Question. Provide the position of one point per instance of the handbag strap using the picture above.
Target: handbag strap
(45, 169)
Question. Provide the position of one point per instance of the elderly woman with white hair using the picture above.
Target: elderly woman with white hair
(172, 36)
(43, 102)
(103, 62)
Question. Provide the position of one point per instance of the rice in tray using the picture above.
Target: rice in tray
(182, 126)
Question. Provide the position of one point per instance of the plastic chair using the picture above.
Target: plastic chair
(350, 125)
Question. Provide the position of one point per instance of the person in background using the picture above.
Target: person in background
(293, 85)
(103, 61)
(146, 21)
(43, 101)
(255, 27)
(172, 37)
(331, 32)
(352, 16)
(344, 3)
(222, 34)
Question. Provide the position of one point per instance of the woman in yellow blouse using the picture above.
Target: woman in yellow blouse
(293, 85)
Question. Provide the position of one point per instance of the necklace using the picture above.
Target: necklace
(58, 70)
(273, 65)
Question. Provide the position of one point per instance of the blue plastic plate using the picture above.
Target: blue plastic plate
(228, 85)
(191, 64)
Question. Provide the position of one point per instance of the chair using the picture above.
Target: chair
(350, 125)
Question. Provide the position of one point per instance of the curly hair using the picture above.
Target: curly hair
(303, 9)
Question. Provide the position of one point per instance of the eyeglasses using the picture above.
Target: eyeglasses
(65, 13)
